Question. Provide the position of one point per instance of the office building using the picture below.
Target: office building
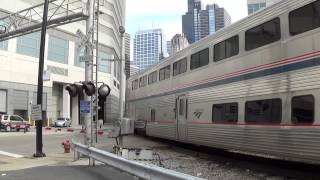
(19, 59)
(178, 42)
(198, 23)
(149, 48)
(127, 54)
(169, 48)
(255, 5)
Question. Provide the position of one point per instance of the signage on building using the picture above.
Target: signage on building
(36, 112)
(84, 107)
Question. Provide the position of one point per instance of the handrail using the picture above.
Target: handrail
(149, 172)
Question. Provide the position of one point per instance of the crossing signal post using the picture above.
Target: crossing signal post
(89, 88)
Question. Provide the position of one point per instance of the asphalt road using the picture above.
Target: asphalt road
(66, 173)
(25, 144)
(56, 165)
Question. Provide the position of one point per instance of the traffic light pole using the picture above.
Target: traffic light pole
(39, 144)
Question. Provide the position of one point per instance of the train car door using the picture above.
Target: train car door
(182, 117)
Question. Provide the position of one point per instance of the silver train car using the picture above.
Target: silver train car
(252, 87)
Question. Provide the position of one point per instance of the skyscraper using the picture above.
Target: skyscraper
(198, 23)
(255, 5)
(127, 54)
(149, 47)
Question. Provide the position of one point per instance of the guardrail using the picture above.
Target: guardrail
(149, 172)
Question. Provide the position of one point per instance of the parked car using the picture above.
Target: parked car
(61, 122)
(11, 122)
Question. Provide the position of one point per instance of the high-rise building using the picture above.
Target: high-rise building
(198, 23)
(19, 66)
(178, 43)
(149, 47)
(169, 46)
(127, 54)
(255, 5)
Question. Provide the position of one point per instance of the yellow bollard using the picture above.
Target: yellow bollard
(48, 122)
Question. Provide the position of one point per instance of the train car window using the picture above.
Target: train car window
(180, 67)
(135, 84)
(181, 107)
(143, 81)
(164, 73)
(225, 113)
(305, 18)
(263, 34)
(302, 108)
(263, 111)
(153, 115)
(226, 49)
(152, 78)
(199, 59)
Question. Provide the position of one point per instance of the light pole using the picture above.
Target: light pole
(39, 144)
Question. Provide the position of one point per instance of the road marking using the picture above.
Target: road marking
(10, 154)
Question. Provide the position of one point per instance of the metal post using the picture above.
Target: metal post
(39, 144)
(89, 68)
(121, 31)
(97, 59)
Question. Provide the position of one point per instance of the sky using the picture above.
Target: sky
(166, 14)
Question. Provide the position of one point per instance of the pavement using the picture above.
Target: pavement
(17, 161)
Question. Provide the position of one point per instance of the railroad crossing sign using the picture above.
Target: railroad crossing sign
(84, 40)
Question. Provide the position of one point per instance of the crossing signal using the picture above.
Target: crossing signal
(89, 88)
(74, 89)
(104, 90)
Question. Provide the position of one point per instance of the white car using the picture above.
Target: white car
(10, 122)
(61, 122)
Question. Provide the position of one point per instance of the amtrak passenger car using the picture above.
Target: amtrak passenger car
(253, 86)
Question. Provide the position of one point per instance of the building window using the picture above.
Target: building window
(4, 45)
(135, 84)
(143, 81)
(29, 44)
(302, 108)
(104, 64)
(152, 78)
(199, 59)
(226, 49)
(305, 18)
(58, 50)
(225, 113)
(153, 115)
(180, 67)
(79, 52)
(263, 111)
(263, 34)
(164, 73)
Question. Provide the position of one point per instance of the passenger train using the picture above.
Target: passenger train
(253, 86)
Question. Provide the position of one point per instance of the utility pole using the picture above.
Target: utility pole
(89, 69)
(121, 31)
(39, 144)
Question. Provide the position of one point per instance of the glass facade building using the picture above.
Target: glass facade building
(204, 21)
(147, 47)
(255, 5)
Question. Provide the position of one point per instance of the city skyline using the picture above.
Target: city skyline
(152, 14)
